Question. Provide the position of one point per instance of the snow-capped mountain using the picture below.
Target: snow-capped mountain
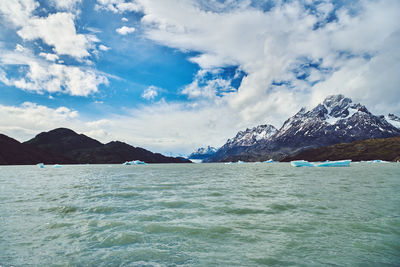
(336, 120)
(250, 137)
(243, 140)
(203, 153)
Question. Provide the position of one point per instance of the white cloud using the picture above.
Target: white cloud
(151, 92)
(207, 88)
(44, 76)
(18, 12)
(19, 48)
(104, 48)
(118, 6)
(124, 19)
(25, 121)
(58, 30)
(124, 30)
(49, 56)
(66, 4)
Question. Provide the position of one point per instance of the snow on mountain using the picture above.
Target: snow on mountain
(393, 119)
(250, 137)
(336, 120)
(202, 153)
(337, 114)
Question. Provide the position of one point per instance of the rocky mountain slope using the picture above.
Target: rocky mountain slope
(384, 149)
(13, 152)
(65, 146)
(336, 120)
(63, 140)
(118, 152)
(203, 153)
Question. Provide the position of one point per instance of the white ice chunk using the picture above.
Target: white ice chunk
(134, 162)
(302, 163)
(338, 163)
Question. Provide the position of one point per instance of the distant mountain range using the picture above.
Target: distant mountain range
(203, 153)
(336, 120)
(64, 146)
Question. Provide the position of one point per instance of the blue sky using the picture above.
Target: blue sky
(173, 75)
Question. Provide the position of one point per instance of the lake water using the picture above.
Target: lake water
(200, 215)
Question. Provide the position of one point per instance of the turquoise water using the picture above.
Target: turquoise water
(200, 215)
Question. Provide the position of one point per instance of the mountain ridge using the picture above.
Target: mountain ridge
(64, 146)
(336, 120)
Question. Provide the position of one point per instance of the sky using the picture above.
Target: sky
(174, 75)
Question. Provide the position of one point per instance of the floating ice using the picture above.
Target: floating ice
(377, 161)
(57, 166)
(304, 163)
(40, 165)
(338, 163)
(134, 162)
(269, 161)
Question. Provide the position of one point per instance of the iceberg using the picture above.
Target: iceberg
(269, 161)
(377, 161)
(134, 162)
(338, 163)
(57, 166)
(40, 165)
(240, 162)
(302, 163)
(230, 162)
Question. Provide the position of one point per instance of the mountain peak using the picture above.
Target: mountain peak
(337, 105)
(61, 130)
(62, 140)
(333, 100)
